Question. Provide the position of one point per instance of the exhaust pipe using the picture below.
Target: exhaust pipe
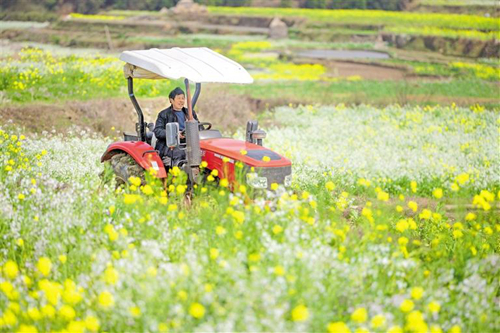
(193, 150)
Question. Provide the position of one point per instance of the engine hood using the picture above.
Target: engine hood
(248, 153)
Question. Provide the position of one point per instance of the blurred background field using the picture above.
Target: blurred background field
(355, 52)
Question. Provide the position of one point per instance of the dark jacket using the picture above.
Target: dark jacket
(164, 117)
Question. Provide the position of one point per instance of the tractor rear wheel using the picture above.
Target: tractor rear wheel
(124, 167)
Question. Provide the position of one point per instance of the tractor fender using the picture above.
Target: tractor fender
(141, 152)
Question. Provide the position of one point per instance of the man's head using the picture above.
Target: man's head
(177, 98)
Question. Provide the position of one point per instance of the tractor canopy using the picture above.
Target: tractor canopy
(198, 65)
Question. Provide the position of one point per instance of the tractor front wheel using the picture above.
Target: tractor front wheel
(124, 167)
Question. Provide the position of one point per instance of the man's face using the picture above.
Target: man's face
(178, 102)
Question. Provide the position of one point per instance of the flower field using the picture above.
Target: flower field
(430, 24)
(391, 225)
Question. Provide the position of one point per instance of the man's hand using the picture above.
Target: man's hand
(181, 136)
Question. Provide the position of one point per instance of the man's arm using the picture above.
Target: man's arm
(161, 122)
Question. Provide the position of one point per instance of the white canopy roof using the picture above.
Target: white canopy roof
(196, 64)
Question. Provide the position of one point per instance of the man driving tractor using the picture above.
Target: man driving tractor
(175, 113)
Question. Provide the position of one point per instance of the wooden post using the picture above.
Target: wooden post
(108, 37)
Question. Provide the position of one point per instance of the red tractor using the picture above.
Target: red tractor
(136, 153)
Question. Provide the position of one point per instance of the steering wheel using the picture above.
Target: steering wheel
(203, 124)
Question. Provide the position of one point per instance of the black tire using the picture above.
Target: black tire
(124, 167)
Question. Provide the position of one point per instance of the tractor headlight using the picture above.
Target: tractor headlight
(255, 181)
(288, 180)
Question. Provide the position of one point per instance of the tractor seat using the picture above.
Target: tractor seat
(210, 134)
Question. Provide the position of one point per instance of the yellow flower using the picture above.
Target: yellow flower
(135, 311)
(378, 321)
(279, 270)
(10, 269)
(425, 214)
(196, 310)
(454, 187)
(402, 225)
(67, 312)
(254, 257)
(92, 323)
(21, 196)
(277, 229)
(402, 241)
(338, 327)
(243, 189)
(63, 258)
(34, 314)
(437, 193)
(455, 329)
(436, 329)
(180, 189)
(111, 275)
(48, 311)
(162, 327)
(76, 326)
(413, 205)
(470, 217)
(395, 329)
(146, 189)
(214, 253)
(130, 199)
(383, 196)
(136, 181)
(330, 186)
(417, 293)
(300, 313)
(26, 328)
(106, 299)
(416, 322)
(219, 230)
(463, 178)
(224, 182)
(360, 315)
(413, 185)
(274, 186)
(266, 158)
(243, 152)
(457, 234)
(434, 307)
(407, 305)
(44, 266)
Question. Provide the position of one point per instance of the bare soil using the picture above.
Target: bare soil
(366, 71)
(101, 115)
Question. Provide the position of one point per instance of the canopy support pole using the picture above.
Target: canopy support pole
(140, 127)
(196, 94)
(188, 97)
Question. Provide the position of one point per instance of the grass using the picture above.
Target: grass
(372, 92)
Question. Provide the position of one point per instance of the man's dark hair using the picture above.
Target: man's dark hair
(175, 92)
